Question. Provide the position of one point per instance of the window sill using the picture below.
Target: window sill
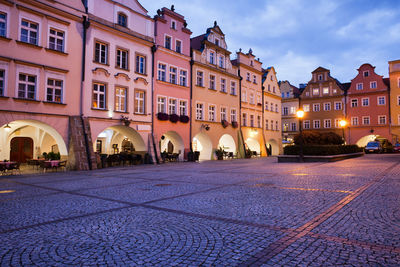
(119, 68)
(224, 92)
(99, 109)
(4, 97)
(26, 100)
(139, 73)
(55, 103)
(140, 114)
(121, 112)
(212, 89)
(29, 44)
(56, 51)
(104, 64)
(4, 38)
(198, 85)
(178, 85)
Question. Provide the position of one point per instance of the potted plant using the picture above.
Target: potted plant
(234, 124)
(125, 120)
(224, 123)
(248, 153)
(220, 153)
(184, 118)
(173, 118)
(162, 116)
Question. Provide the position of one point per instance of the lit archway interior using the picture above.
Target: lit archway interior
(45, 139)
(202, 143)
(119, 138)
(274, 146)
(368, 138)
(172, 143)
(253, 145)
(227, 143)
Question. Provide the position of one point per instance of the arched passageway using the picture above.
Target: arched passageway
(202, 143)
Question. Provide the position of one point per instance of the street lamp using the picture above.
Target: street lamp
(300, 115)
(7, 128)
(343, 124)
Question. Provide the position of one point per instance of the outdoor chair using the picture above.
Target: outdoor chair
(14, 166)
(62, 164)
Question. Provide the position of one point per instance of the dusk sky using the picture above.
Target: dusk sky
(297, 36)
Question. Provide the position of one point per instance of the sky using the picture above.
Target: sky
(297, 36)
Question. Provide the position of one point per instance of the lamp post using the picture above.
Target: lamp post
(343, 124)
(300, 115)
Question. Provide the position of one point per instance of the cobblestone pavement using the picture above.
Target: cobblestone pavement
(217, 213)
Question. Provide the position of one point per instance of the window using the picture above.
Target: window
(199, 111)
(244, 96)
(283, 95)
(172, 75)
(266, 124)
(334, 91)
(293, 126)
(140, 64)
(29, 32)
(325, 90)
(287, 94)
(122, 59)
(272, 125)
(2, 78)
(217, 41)
(381, 100)
(244, 119)
(320, 77)
(221, 61)
(272, 107)
(316, 107)
(162, 69)
(211, 113)
(259, 99)
(233, 115)
(272, 78)
(223, 113)
(372, 85)
(248, 77)
(3, 24)
(306, 124)
(382, 119)
(99, 96)
(354, 120)
(212, 57)
(354, 103)
(223, 85)
(285, 127)
(315, 91)
(251, 98)
(54, 90)
(161, 104)
(398, 100)
(259, 121)
(200, 78)
(212, 82)
(251, 120)
(285, 111)
(101, 53)
(178, 46)
(27, 86)
(266, 105)
(120, 99)
(293, 110)
(56, 40)
(306, 107)
(139, 101)
(167, 42)
(365, 102)
(327, 106)
(327, 123)
(122, 19)
(359, 86)
(273, 89)
(366, 120)
(172, 106)
(316, 124)
(233, 88)
(173, 24)
(338, 105)
(276, 107)
(307, 93)
(366, 73)
(183, 77)
(337, 123)
(276, 126)
(254, 79)
(269, 88)
(183, 107)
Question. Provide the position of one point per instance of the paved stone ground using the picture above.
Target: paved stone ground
(231, 213)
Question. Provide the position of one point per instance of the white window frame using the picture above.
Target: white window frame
(30, 21)
(306, 107)
(306, 124)
(325, 90)
(4, 67)
(183, 107)
(176, 46)
(233, 88)
(200, 78)
(316, 124)
(378, 100)
(59, 77)
(140, 101)
(170, 41)
(56, 37)
(315, 91)
(251, 98)
(120, 99)
(5, 23)
(183, 77)
(173, 74)
(293, 126)
(244, 119)
(223, 113)
(364, 119)
(233, 115)
(359, 86)
(162, 73)
(251, 120)
(120, 58)
(244, 96)
(373, 85)
(316, 107)
(199, 111)
(161, 104)
(340, 103)
(172, 106)
(212, 116)
(173, 24)
(382, 117)
(98, 93)
(327, 123)
(211, 57)
(398, 100)
(223, 85)
(354, 102)
(365, 99)
(103, 47)
(140, 63)
(327, 106)
(212, 82)
(354, 121)
(22, 69)
(221, 61)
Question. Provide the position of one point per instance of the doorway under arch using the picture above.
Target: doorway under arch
(202, 143)
(363, 141)
(227, 143)
(274, 147)
(253, 145)
(172, 142)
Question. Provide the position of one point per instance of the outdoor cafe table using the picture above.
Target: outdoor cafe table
(53, 163)
(7, 163)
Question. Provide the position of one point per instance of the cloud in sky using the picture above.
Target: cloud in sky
(297, 36)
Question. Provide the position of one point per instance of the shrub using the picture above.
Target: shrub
(173, 118)
(162, 116)
(317, 138)
(184, 118)
(234, 124)
(322, 150)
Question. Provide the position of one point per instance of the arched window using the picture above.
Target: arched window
(122, 19)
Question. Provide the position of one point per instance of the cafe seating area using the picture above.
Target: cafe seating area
(9, 167)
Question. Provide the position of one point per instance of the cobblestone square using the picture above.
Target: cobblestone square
(214, 213)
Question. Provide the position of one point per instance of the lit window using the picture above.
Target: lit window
(161, 104)
(101, 53)
(122, 19)
(99, 96)
(56, 40)
(316, 91)
(167, 42)
(172, 75)
(26, 86)
(183, 77)
(29, 32)
(162, 69)
(306, 107)
(120, 99)
(3, 24)
(286, 127)
(140, 64)
(139, 101)
(54, 90)
(122, 59)
(172, 106)
(325, 90)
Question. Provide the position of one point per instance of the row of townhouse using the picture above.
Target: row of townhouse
(369, 104)
(102, 77)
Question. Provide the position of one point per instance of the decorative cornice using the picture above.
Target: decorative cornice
(103, 70)
(141, 79)
(120, 74)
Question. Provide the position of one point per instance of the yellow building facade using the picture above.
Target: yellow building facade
(394, 76)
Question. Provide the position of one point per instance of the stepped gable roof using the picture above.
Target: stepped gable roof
(198, 41)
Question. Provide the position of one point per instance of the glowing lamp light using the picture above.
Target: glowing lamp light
(300, 114)
(342, 123)
(7, 128)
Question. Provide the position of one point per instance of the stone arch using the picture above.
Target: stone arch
(227, 143)
(202, 143)
(363, 141)
(274, 146)
(176, 140)
(253, 145)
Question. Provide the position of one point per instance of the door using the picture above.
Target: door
(21, 149)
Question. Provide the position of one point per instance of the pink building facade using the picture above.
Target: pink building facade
(367, 107)
(171, 84)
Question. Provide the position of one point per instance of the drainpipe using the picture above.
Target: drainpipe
(191, 101)
(153, 51)
(240, 112)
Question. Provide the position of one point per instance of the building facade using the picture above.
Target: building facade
(323, 102)
(367, 107)
(215, 96)
(290, 104)
(171, 114)
(251, 106)
(272, 117)
(394, 77)
(40, 79)
(117, 87)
